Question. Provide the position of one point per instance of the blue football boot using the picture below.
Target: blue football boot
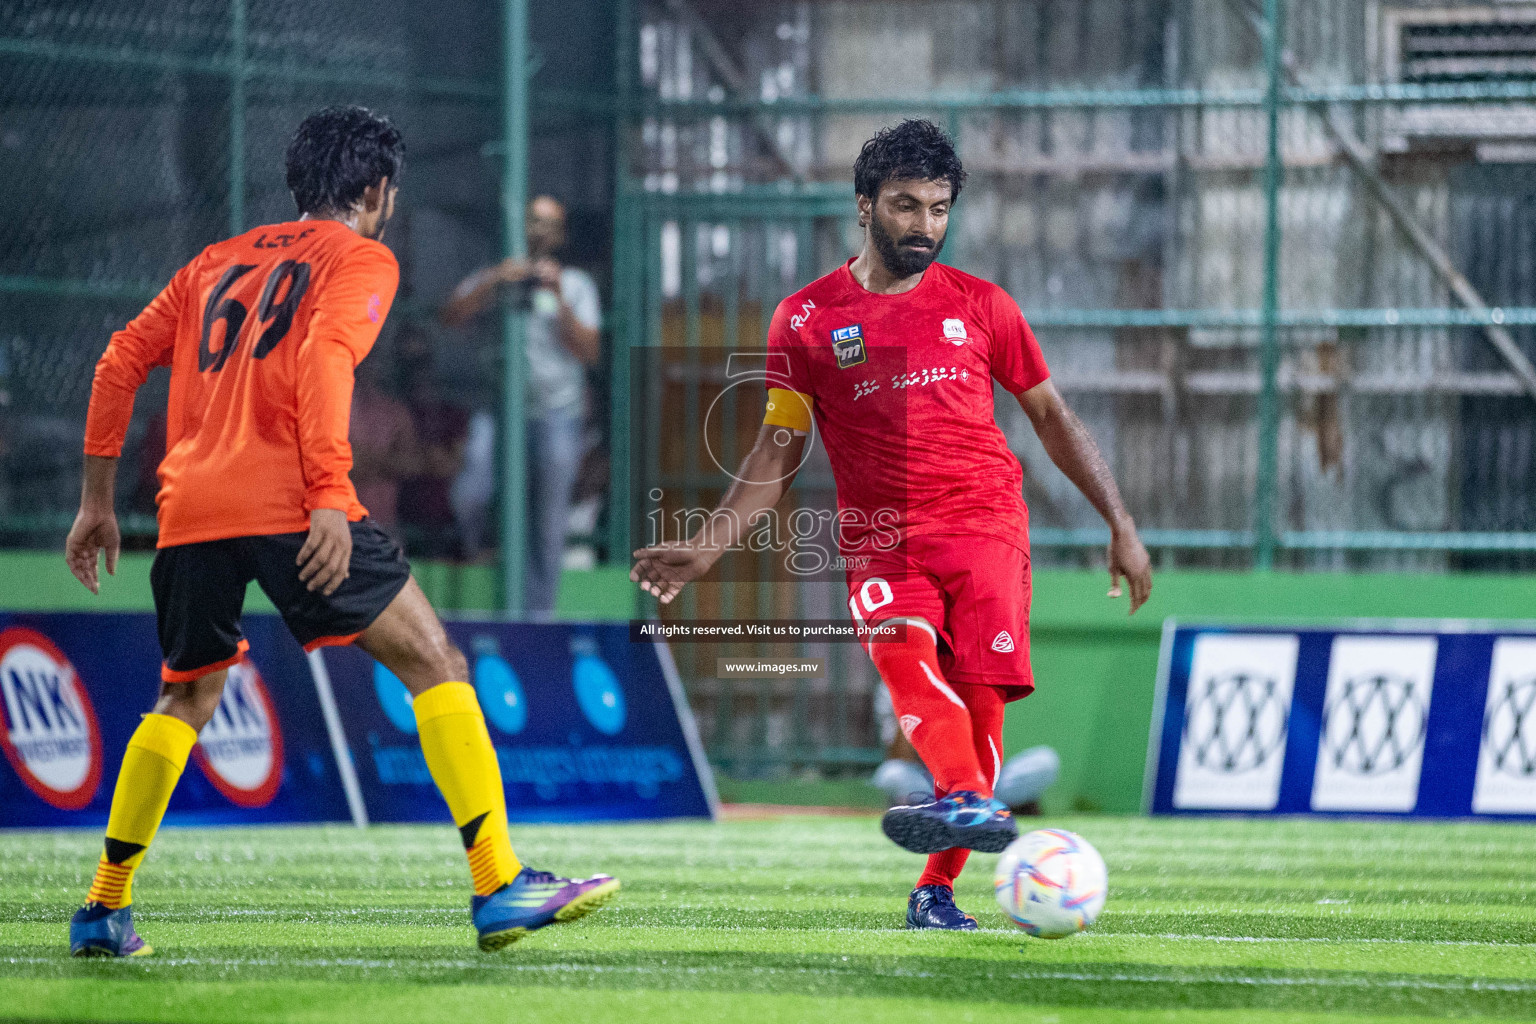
(933, 906)
(961, 819)
(97, 930)
(534, 899)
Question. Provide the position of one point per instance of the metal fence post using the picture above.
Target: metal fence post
(627, 292)
(1269, 351)
(237, 73)
(514, 189)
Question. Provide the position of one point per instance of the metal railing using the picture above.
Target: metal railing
(234, 58)
(706, 248)
(1250, 376)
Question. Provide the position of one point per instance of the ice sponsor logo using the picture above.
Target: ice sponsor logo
(1506, 760)
(50, 734)
(848, 345)
(1371, 749)
(1236, 720)
(241, 747)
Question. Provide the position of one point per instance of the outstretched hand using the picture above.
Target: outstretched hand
(1129, 559)
(663, 570)
(95, 531)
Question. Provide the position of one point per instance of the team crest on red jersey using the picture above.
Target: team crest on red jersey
(241, 747)
(49, 728)
(954, 331)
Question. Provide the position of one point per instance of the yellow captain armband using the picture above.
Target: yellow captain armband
(788, 409)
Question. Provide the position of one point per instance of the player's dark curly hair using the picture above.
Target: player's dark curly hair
(915, 149)
(339, 152)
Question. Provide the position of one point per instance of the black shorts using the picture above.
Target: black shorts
(200, 591)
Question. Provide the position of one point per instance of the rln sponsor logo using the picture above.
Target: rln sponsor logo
(241, 747)
(50, 734)
(798, 320)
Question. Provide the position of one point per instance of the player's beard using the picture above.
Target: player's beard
(902, 263)
(384, 215)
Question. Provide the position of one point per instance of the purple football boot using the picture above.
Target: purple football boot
(98, 930)
(534, 899)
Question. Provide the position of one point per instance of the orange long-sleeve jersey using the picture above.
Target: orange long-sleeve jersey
(262, 333)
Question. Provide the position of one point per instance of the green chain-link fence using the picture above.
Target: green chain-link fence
(1286, 278)
(134, 134)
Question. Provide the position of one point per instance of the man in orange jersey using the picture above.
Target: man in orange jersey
(262, 333)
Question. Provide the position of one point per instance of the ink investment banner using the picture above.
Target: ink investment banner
(587, 726)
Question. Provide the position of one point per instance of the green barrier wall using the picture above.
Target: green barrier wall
(1094, 667)
(39, 581)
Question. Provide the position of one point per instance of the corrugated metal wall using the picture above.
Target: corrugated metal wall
(1091, 212)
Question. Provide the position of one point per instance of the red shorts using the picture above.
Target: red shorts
(974, 590)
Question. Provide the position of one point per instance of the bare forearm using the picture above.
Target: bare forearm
(759, 485)
(579, 339)
(1072, 448)
(663, 569)
(1074, 451)
(472, 296)
(98, 483)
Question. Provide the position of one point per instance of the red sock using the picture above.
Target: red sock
(985, 704)
(931, 713)
(944, 867)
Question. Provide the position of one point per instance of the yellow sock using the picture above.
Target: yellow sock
(152, 764)
(463, 763)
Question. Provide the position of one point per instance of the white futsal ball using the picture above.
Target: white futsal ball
(1051, 883)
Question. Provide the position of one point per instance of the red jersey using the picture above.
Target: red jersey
(901, 390)
(261, 332)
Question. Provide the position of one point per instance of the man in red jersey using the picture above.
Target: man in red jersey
(893, 356)
(262, 333)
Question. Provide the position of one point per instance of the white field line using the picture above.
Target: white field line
(1098, 935)
(1357, 982)
(1323, 940)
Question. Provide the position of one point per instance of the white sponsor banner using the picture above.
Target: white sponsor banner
(1377, 707)
(1506, 760)
(1235, 721)
(241, 747)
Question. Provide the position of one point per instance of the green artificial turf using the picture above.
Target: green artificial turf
(785, 920)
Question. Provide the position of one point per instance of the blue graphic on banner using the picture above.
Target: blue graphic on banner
(74, 686)
(597, 689)
(1412, 719)
(394, 698)
(498, 688)
(583, 721)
